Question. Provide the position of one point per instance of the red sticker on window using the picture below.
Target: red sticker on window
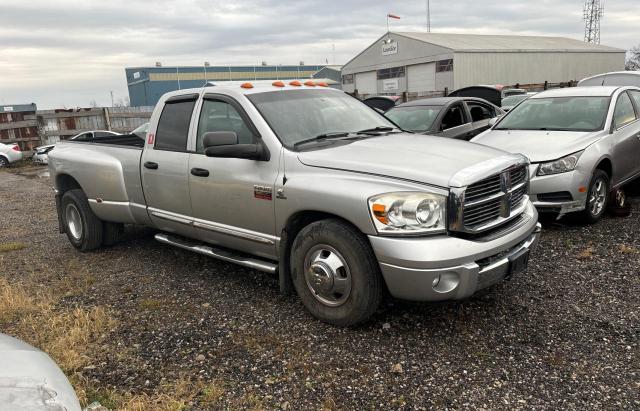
(150, 138)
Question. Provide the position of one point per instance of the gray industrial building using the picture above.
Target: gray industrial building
(430, 63)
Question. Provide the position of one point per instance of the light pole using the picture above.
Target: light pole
(428, 16)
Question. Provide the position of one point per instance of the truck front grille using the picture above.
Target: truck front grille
(493, 201)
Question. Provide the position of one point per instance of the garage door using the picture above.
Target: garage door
(421, 77)
(367, 82)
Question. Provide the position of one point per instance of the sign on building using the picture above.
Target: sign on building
(390, 48)
(390, 84)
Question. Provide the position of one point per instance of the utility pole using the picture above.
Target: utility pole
(428, 16)
(593, 12)
(111, 97)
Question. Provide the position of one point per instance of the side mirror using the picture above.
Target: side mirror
(219, 138)
(379, 110)
(493, 121)
(224, 144)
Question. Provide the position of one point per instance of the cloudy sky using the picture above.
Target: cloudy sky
(68, 53)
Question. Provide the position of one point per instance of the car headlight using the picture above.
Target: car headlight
(561, 165)
(409, 213)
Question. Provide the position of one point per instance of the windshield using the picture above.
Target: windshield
(414, 118)
(297, 115)
(557, 113)
(513, 100)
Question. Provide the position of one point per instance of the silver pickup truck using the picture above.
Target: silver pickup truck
(310, 183)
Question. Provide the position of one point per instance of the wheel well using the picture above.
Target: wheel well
(294, 224)
(64, 183)
(606, 166)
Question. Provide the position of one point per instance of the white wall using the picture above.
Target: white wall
(531, 67)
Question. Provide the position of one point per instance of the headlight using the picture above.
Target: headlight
(562, 165)
(409, 213)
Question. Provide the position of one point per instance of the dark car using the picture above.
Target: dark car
(493, 94)
(382, 103)
(454, 117)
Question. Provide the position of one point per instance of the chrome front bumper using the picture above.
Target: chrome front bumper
(450, 268)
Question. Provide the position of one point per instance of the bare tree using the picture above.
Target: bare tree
(633, 59)
(93, 103)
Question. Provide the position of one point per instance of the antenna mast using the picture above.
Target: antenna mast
(593, 12)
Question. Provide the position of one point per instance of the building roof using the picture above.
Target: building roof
(498, 43)
(17, 108)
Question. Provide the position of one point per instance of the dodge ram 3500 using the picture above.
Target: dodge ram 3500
(309, 183)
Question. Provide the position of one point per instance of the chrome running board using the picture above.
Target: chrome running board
(218, 253)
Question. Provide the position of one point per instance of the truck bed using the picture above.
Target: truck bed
(108, 171)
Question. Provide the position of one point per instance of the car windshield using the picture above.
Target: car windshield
(557, 113)
(301, 115)
(513, 100)
(414, 118)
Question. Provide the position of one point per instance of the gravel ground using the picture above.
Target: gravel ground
(564, 335)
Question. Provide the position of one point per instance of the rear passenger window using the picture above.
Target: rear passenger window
(635, 96)
(623, 113)
(173, 127)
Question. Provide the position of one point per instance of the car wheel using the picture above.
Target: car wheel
(335, 273)
(618, 204)
(3, 162)
(597, 197)
(82, 227)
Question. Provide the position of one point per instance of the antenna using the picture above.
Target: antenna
(593, 12)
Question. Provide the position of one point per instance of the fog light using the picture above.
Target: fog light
(445, 282)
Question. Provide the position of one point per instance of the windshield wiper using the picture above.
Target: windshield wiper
(321, 137)
(378, 129)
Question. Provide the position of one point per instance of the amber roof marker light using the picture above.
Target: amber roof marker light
(246, 85)
(309, 83)
(278, 84)
(295, 83)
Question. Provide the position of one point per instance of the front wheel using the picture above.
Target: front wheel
(335, 273)
(597, 197)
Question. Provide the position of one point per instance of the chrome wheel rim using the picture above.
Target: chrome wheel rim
(327, 275)
(74, 221)
(597, 197)
(3, 162)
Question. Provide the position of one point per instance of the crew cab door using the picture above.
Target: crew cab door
(165, 167)
(626, 139)
(455, 123)
(232, 198)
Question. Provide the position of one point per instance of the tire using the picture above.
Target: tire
(83, 228)
(618, 203)
(111, 233)
(3, 162)
(332, 251)
(591, 213)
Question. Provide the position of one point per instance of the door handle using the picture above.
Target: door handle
(150, 165)
(200, 172)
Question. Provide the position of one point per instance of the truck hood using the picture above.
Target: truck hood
(538, 145)
(437, 161)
